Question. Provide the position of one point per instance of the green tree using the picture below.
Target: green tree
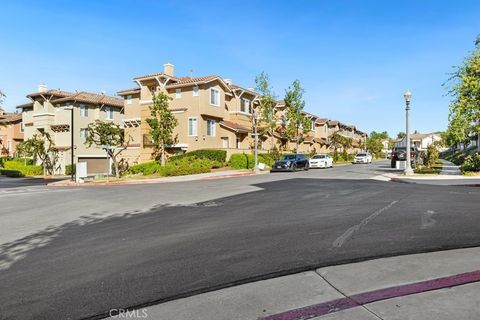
(110, 137)
(297, 122)
(374, 142)
(401, 135)
(162, 123)
(379, 135)
(464, 87)
(42, 148)
(267, 105)
(337, 141)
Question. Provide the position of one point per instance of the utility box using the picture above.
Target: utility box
(401, 165)
(81, 172)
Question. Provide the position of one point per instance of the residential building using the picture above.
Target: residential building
(11, 132)
(50, 111)
(212, 112)
(420, 140)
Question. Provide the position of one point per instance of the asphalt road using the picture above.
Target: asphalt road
(84, 251)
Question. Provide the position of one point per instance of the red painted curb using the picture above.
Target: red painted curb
(360, 299)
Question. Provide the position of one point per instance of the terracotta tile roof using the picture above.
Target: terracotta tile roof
(126, 91)
(309, 139)
(333, 123)
(237, 87)
(186, 81)
(234, 126)
(25, 105)
(93, 98)
(54, 92)
(321, 121)
(151, 75)
(8, 117)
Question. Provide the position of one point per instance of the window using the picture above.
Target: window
(83, 133)
(225, 142)
(245, 107)
(109, 111)
(22, 127)
(214, 97)
(312, 127)
(178, 93)
(238, 143)
(83, 110)
(195, 91)
(211, 128)
(192, 126)
(129, 99)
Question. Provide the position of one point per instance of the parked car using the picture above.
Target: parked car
(291, 162)
(364, 157)
(400, 154)
(321, 161)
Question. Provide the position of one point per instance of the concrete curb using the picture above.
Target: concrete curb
(149, 181)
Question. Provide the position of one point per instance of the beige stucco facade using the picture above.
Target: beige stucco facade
(11, 132)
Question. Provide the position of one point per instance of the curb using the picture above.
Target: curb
(146, 181)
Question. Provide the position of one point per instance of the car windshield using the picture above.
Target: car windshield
(319, 156)
(361, 154)
(289, 157)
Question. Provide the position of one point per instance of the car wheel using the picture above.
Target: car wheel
(392, 165)
(307, 166)
(294, 167)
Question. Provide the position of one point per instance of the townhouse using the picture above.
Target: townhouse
(420, 140)
(11, 132)
(51, 111)
(212, 112)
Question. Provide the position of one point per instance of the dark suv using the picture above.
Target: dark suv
(291, 162)
(400, 154)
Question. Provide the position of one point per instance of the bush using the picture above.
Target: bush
(431, 156)
(219, 156)
(471, 163)
(3, 159)
(27, 170)
(187, 165)
(68, 169)
(11, 173)
(146, 168)
(426, 170)
(242, 161)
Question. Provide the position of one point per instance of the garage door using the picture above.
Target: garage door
(96, 165)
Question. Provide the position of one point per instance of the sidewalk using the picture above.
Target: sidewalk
(441, 285)
(440, 180)
(448, 168)
(192, 177)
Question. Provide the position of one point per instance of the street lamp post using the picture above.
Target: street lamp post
(72, 146)
(408, 168)
(255, 120)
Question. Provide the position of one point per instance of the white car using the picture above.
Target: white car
(321, 161)
(363, 157)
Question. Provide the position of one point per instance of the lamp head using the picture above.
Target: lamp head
(407, 95)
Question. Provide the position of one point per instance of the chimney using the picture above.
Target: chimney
(228, 81)
(42, 87)
(168, 69)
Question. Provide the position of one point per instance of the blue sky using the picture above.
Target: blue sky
(353, 58)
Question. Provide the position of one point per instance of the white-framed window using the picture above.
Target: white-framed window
(245, 106)
(238, 143)
(22, 127)
(83, 132)
(214, 97)
(109, 112)
(225, 142)
(195, 91)
(129, 99)
(312, 126)
(211, 128)
(192, 126)
(83, 110)
(178, 93)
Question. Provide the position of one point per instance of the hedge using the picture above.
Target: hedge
(212, 154)
(182, 166)
(68, 169)
(471, 163)
(26, 170)
(247, 161)
(146, 168)
(11, 173)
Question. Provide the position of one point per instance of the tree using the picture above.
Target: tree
(401, 135)
(297, 122)
(2, 96)
(464, 86)
(337, 141)
(267, 105)
(110, 137)
(162, 123)
(374, 142)
(41, 147)
(379, 135)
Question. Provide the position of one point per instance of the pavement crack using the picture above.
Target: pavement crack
(350, 231)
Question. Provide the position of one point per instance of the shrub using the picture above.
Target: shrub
(471, 163)
(431, 156)
(68, 169)
(3, 159)
(242, 161)
(146, 168)
(211, 154)
(11, 173)
(427, 170)
(187, 165)
(26, 170)
(267, 158)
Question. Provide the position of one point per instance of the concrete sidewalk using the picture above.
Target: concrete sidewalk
(191, 177)
(441, 285)
(449, 168)
(440, 180)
